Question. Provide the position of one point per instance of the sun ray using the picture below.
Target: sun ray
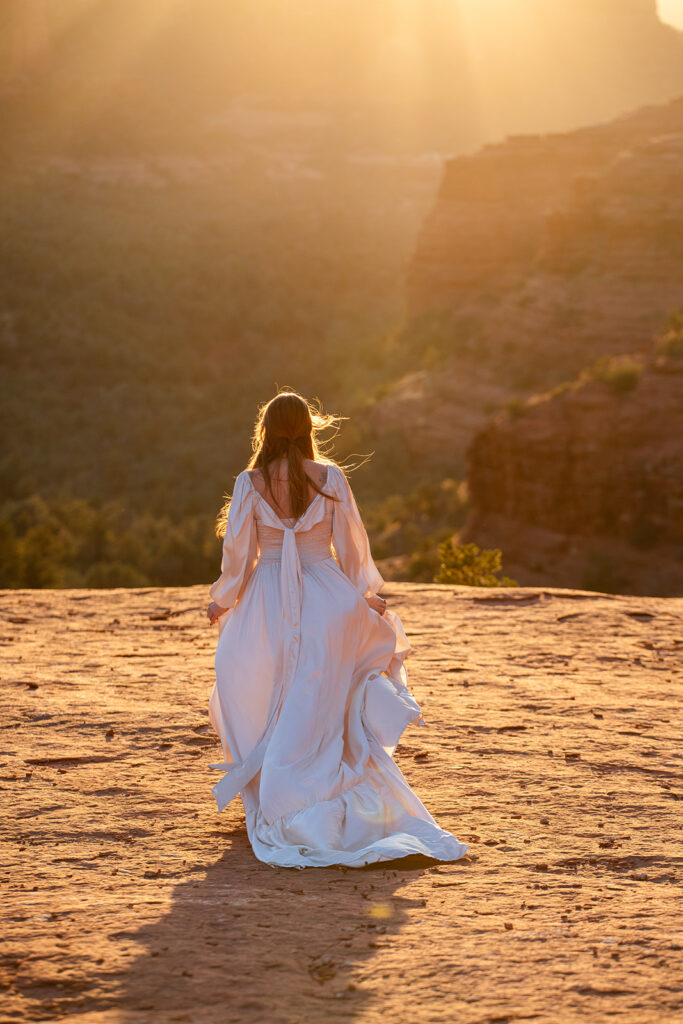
(82, 49)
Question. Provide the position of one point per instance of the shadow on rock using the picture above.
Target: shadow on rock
(247, 942)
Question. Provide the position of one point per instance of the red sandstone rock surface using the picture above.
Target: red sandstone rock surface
(552, 748)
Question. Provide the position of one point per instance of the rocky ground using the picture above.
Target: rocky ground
(552, 749)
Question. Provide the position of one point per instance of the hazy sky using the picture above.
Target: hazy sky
(671, 11)
(422, 74)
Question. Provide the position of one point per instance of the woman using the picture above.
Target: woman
(310, 696)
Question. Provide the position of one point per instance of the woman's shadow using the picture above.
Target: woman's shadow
(247, 942)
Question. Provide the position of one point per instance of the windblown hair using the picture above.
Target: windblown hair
(288, 426)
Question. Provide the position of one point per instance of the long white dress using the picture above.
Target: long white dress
(310, 697)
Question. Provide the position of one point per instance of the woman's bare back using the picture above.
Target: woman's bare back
(279, 480)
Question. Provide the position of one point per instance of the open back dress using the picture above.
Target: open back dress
(310, 697)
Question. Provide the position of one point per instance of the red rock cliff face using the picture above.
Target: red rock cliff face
(540, 255)
(538, 225)
(584, 486)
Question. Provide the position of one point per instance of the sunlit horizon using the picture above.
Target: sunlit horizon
(428, 75)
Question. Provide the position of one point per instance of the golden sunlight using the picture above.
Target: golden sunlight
(408, 272)
(671, 12)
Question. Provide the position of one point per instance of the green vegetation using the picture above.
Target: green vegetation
(429, 339)
(620, 373)
(140, 331)
(69, 543)
(400, 521)
(141, 325)
(670, 345)
(516, 407)
(471, 566)
(415, 523)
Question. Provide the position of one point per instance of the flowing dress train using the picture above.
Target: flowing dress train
(310, 697)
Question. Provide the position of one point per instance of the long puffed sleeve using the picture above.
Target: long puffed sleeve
(240, 546)
(349, 537)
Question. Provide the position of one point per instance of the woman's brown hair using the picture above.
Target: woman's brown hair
(287, 426)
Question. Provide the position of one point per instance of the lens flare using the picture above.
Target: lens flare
(381, 911)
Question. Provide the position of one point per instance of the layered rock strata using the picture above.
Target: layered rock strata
(584, 486)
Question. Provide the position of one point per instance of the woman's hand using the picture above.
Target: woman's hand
(214, 612)
(377, 603)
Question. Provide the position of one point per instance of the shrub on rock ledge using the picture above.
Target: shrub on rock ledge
(471, 566)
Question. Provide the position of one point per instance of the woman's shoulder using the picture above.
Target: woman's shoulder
(332, 478)
(321, 473)
(243, 482)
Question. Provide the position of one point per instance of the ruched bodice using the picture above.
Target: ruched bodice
(313, 545)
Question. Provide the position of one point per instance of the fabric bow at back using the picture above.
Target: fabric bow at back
(239, 774)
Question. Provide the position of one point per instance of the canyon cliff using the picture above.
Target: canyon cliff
(544, 271)
(585, 483)
(561, 246)
(540, 254)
